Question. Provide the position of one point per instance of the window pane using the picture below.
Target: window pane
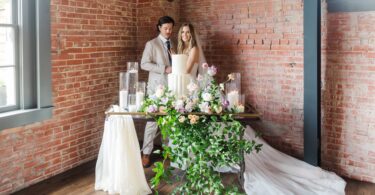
(6, 11)
(6, 46)
(7, 86)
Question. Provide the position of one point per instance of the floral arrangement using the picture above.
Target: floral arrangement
(198, 143)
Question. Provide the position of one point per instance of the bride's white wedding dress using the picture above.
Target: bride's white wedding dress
(273, 172)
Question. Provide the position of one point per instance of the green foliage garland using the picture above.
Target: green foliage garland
(198, 143)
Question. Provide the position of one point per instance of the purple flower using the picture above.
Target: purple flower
(212, 70)
(152, 108)
(164, 101)
(225, 103)
(181, 110)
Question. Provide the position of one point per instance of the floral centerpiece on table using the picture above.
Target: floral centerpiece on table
(202, 133)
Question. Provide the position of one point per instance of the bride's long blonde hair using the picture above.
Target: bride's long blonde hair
(193, 41)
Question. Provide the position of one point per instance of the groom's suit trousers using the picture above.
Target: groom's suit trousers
(149, 136)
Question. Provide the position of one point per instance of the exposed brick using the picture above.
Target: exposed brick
(91, 41)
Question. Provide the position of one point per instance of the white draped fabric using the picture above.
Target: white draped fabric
(273, 172)
(119, 168)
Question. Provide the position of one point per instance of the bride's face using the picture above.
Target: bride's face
(185, 35)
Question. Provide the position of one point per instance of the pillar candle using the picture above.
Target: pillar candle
(123, 99)
(233, 98)
(139, 99)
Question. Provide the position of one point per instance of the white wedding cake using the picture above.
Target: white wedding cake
(179, 79)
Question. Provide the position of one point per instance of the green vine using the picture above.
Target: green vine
(198, 144)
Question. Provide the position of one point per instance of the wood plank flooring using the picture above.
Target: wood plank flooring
(80, 180)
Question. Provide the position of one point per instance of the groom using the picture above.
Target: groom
(157, 60)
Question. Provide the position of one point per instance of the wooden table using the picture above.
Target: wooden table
(245, 118)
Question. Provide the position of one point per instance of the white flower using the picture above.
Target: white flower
(212, 70)
(218, 109)
(181, 119)
(207, 97)
(221, 86)
(195, 100)
(205, 107)
(179, 104)
(159, 91)
(189, 106)
(240, 108)
(192, 87)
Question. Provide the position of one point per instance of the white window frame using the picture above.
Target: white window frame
(33, 65)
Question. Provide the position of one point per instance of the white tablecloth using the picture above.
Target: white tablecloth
(119, 167)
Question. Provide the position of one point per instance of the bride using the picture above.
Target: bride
(189, 44)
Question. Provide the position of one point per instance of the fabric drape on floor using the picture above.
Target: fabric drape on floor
(273, 172)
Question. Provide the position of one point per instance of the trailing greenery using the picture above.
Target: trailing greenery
(198, 144)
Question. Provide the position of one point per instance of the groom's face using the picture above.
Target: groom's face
(166, 30)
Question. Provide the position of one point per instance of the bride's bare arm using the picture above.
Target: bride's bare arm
(192, 59)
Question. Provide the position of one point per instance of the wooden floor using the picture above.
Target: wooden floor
(80, 180)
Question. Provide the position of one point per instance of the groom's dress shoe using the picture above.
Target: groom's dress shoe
(146, 161)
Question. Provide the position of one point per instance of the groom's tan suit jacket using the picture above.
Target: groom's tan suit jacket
(155, 59)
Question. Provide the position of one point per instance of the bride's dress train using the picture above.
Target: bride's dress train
(273, 172)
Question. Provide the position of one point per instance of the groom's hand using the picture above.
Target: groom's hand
(168, 69)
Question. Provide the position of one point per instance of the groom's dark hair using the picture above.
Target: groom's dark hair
(164, 20)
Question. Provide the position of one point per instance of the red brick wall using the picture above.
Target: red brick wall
(148, 14)
(348, 94)
(91, 42)
(264, 41)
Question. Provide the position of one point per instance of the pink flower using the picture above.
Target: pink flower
(231, 77)
(204, 65)
(193, 119)
(162, 109)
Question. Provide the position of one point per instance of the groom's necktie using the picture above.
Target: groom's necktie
(169, 50)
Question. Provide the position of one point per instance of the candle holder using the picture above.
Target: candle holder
(132, 78)
(140, 94)
(132, 66)
(123, 90)
(232, 94)
(237, 81)
(132, 106)
(241, 105)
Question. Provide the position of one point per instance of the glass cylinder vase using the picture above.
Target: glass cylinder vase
(123, 90)
(140, 94)
(132, 107)
(132, 77)
(237, 81)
